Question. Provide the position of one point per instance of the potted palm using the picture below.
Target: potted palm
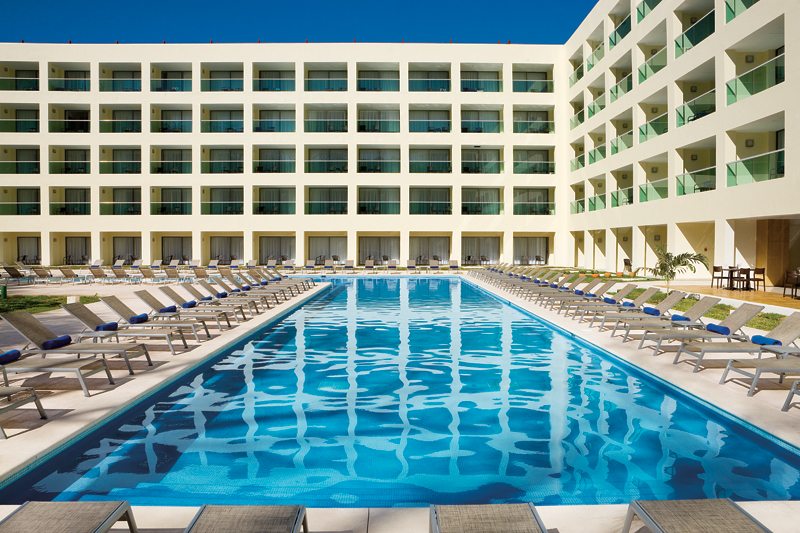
(669, 265)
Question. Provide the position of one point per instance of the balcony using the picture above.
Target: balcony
(428, 85)
(68, 126)
(222, 126)
(378, 84)
(697, 181)
(10, 125)
(120, 208)
(764, 167)
(273, 84)
(578, 206)
(265, 166)
(330, 207)
(120, 167)
(619, 33)
(170, 126)
(121, 85)
(69, 167)
(170, 208)
(576, 75)
(481, 208)
(430, 208)
(378, 207)
(597, 105)
(654, 128)
(326, 84)
(621, 142)
(621, 88)
(695, 34)
(761, 78)
(383, 125)
(69, 84)
(734, 8)
(222, 208)
(653, 65)
(19, 84)
(171, 85)
(481, 86)
(481, 126)
(622, 197)
(534, 167)
(20, 208)
(597, 203)
(534, 126)
(597, 154)
(697, 108)
(429, 126)
(481, 167)
(654, 190)
(597, 54)
(430, 167)
(326, 125)
(534, 208)
(644, 8)
(577, 163)
(120, 126)
(19, 167)
(170, 167)
(222, 85)
(273, 125)
(70, 208)
(326, 166)
(532, 86)
(576, 120)
(379, 166)
(274, 207)
(222, 167)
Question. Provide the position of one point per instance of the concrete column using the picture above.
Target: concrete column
(44, 248)
(404, 246)
(197, 244)
(612, 250)
(95, 246)
(300, 249)
(638, 247)
(455, 246)
(247, 237)
(146, 247)
(352, 246)
(507, 253)
(589, 253)
(724, 245)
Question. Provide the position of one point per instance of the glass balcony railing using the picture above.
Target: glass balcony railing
(222, 126)
(222, 85)
(20, 208)
(428, 85)
(222, 208)
(597, 105)
(481, 86)
(19, 84)
(576, 75)
(430, 208)
(331, 207)
(534, 167)
(481, 208)
(170, 85)
(69, 84)
(326, 84)
(69, 167)
(222, 167)
(734, 8)
(378, 84)
(70, 208)
(695, 34)
(170, 167)
(621, 142)
(654, 190)
(274, 207)
(621, 88)
(761, 78)
(278, 125)
(577, 163)
(622, 197)
(576, 120)
(429, 126)
(326, 126)
(326, 167)
(534, 126)
(577, 206)
(380, 207)
(654, 128)
(120, 126)
(697, 108)
(19, 167)
(68, 126)
(619, 33)
(121, 85)
(380, 126)
(481, 167)
(653, 65)
(597, 54)
(534, 208)
(697, 181)
(597, 154)
(481, 126)
(120, 208)
(10, 125)
(379, 166)
(170, 126)
(644, 8)
(170, 208)
(598, 202)
(273, 166)
(764, 167)
(532, 86)
(120, 167)
(273, 84)
(430, 167)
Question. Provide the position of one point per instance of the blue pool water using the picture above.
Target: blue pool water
(410, 391)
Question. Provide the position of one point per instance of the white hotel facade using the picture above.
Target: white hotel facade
(658, 124)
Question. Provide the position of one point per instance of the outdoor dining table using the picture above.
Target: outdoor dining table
(731, 274)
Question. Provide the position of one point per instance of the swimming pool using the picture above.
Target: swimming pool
(406, 391)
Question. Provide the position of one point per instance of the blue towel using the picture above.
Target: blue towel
(554, 285)
(679, 318)
(58, 342)
(168, 309)
(264, 282)
(609, 300)
(246, 287)
(222, 294)
(591, 295)
(236, 290)
(138, 319)
(9, 357)
(579, 292)
(765, 341)
(722, 330)
(206, 299)
(190, 304)
(107, 326)
(652, 311)
(628, 304)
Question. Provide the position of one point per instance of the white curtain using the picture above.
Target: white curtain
(426, 249)
(380, 249)
(176, 248)
(486, 155)
(127, 248)
(278, 248)
(227, 248)
(480, 250)
(530, 76)
(322, 248)
(28, 250)
(77, 250)
(227, 194)
(530, 250)
(530, 116)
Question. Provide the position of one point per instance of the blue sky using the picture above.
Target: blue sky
(465, 21)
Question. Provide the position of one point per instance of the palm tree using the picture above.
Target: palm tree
(669, 265)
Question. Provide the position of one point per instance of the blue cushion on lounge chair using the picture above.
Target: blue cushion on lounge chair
(554, 285)
(107, 326)
(591, 295)
(222, 294)
(58, 342)
(609, 300)
(651, 311)
(679, 318)
(206, 299)
(9, 357)
(628, 304)
(236, 290)
(168, 309)
(264, 282)
(579, 292)
(716, 328)
(246, 287)
(138, 319)
(190, 304)
(765, 341)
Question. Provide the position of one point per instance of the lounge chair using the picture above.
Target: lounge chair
(287, 265)
(252, 263)
(690, 318)
(453, 264)
(691, 516)
(15, 274)
(15, 397)
(71, 275)
(44, 275)
(349, 265)
(795, 390)
(615, 309)
(119, 263)
(235, 293)
(311, 265)
(97, 263)
(148, 274)
(131, 319)
(369, 264)
(491, 518)
(329, 265)
(588, 293)
(136, 264)
(155, 264)
(572, 292)
(173, 263)
(99, 274)
(271, 263)
(249, 519)
(171, 311)
(56, 517)
(214, 263)
(173, 295)
(754, 368)
(411, 264)
(213, 299)
(392, 265)
(235, 263)
(646, 312)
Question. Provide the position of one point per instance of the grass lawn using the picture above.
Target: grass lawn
(39, 304)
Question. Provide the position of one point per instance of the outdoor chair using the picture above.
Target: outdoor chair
(489, 518)
(249, 519)
(14, 397)
(96, 517)
(691, 516)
